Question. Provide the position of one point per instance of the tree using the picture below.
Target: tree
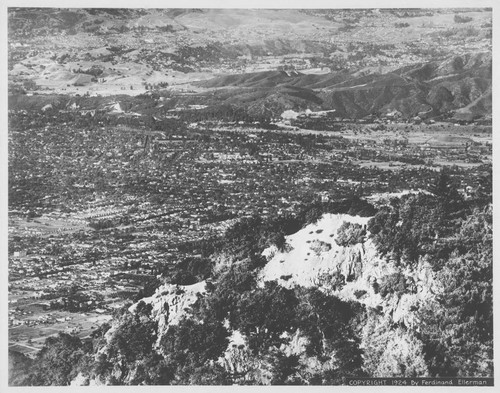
(284, 369)
(189, 348)
(143, 309)
(327, 322)
(350, 234)
(222, 302)
(149, 288)
(407, 228)
(485, 187)
(457, 329)
(279, 241)
(153, 370)
(264, 314)
(313, 215)
(20, 367)
(445, 188)
(133, 339)
(59, 361)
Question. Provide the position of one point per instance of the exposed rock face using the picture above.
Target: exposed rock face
(357, 273)
(351, 273)
(306, 260)
(403, 356)
(313, 258)
(83, 380)
(170, 303)
(80, 380)
(238, 359)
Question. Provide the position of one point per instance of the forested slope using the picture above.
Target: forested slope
(410, 295)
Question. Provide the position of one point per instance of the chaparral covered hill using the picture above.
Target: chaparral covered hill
(399, 290)
(354, 61)
(457, 88)
(461, 84)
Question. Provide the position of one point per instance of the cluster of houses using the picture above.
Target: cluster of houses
(195, 186)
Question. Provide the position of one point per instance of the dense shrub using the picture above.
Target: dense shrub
(59, 361)
(134, 338)
(350, 234)
(319, 246)
(408, 227)
(148, 289)
(264, 314)
(458, 327)
(328, 324)
(454, 336)
(189, 270)
(193, 342)
(392, 284)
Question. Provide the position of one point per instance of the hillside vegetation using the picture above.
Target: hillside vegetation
(410, 296)
(461, 84)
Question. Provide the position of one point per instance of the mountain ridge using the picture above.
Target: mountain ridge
(411, 90)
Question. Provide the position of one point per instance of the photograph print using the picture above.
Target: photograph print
(250, 196)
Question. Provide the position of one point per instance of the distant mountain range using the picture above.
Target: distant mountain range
(461, 84)
(425, 62)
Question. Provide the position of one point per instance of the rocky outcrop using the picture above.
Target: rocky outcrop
(239, 360)
(312, 257)
(170, 303)
(353, 272)
(304, 260)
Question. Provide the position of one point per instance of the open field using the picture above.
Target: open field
(30, 339)
(46, 225)
(433, 140)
